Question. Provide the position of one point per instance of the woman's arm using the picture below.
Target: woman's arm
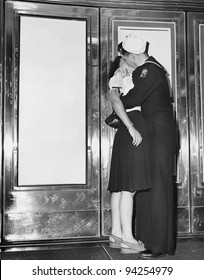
(120, 111)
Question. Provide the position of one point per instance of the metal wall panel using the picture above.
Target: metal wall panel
(169, 5)
(60, 210)
(112, 20)
(1, 99)
(196, 115)
(30, 226)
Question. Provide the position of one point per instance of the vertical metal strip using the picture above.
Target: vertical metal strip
(1, 107)
(196, 126)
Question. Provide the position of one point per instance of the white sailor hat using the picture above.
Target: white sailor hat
(134, 44)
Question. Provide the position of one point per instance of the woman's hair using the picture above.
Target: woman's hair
(115, 64)
(147, 48)
(121, 50)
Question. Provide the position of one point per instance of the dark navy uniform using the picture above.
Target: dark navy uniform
(155, 208)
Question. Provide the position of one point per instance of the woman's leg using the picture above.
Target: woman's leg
(115, 214)
(126, 211)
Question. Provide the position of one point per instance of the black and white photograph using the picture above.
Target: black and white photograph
(102, 139)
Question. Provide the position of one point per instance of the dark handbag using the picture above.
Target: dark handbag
(113, 120)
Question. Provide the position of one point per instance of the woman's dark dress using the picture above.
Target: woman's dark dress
(130, 165)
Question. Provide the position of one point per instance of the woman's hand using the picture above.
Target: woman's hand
(122, 71)
(136, 136)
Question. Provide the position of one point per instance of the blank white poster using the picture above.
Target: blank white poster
(52, 102)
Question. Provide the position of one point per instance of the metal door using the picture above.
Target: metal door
(196, 117)
(165, 30)
(51, 123)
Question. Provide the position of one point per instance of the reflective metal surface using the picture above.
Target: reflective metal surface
(148, 19)
(1, 100)
(51, 225)
(196, 115)
(53, 211)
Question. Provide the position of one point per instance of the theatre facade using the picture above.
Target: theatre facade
(55, 146)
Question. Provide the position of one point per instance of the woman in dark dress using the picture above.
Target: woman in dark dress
(130, 170)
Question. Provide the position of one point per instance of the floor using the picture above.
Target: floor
(187, 249)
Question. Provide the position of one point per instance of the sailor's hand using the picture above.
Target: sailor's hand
(115, 92)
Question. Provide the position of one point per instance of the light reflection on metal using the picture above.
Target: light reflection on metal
(94, 147)
(196, 108)
(105, 157)
(198, 221)
(1, 103)
(183, 220)
(39, 225)
(201, 67)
